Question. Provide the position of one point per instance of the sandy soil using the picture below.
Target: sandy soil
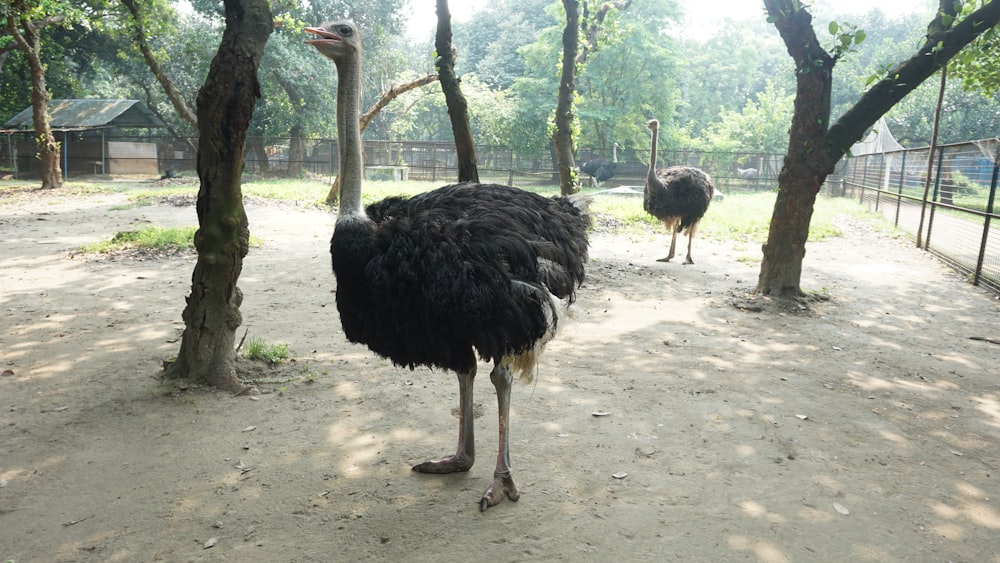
(862, 427)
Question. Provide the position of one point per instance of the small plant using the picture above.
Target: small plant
(258, 349)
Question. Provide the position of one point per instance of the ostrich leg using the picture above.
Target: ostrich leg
(503, 481)
(671, 226)
(691, 230)
(465, 455)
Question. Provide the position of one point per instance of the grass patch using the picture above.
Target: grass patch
(258, 349)
(151, 237)
(171, 239)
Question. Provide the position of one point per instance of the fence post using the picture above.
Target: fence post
(934, 198)
(986, 221)
(899, 196)
(864, 179)
(881, 180)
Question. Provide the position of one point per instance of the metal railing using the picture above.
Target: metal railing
(946, 201)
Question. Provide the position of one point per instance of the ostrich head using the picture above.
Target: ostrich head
(338, 40)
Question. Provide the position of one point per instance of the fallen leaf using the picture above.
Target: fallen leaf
(841, 508)
(600, 413)
(211, 542)
(620, 475)
(249, 428)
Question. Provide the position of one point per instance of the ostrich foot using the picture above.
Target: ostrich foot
(667, 259)
(502, 486)
(450, 464)
(688, 260)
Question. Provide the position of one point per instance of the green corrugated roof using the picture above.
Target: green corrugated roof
(88, 114)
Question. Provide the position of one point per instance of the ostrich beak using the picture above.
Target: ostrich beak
(325, 36)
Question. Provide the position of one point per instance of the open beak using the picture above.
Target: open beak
(324, 36)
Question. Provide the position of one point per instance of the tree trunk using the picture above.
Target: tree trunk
(562, 137)
(805, 168)
(813, 148)
(260, 153)
(468, 170)
(48, 148)
(296, 152)
(225, 106)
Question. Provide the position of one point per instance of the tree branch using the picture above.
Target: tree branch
(942, 44)
(392, 93)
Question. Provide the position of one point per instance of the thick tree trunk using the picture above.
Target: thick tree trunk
(805, 167)
(458, 110)
(30, 43)
(562, 137)
(225, 106)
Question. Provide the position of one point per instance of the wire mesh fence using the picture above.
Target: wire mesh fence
(87, 153)
(945, 201)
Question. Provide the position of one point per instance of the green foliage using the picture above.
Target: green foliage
(760, 126)
(259, 350)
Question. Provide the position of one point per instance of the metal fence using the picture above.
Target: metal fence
(945, 201)
(88, 153)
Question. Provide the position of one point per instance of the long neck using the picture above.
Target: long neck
(349, 135)
(651, 176)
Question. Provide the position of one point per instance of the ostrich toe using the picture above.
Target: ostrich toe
(503, 486)
(450, 464)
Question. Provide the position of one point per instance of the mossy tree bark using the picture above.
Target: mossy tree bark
(225, 106)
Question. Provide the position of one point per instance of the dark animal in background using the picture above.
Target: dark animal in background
(601, 170)
(441, 277)
(678, 196)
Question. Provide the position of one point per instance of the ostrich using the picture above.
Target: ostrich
(437, 278)
(600, 170)
(746, 173)
(678, 196)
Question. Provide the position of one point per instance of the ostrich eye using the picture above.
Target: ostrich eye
(344, 30)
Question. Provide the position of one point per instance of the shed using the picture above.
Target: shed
(84, 127)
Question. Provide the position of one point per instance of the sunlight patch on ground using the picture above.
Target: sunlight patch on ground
(765, 551)
(989, 405)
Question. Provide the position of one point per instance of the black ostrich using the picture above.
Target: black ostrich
(600, 170)
(435, 279)
(678, 196)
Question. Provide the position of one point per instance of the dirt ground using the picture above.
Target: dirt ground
(862, 427)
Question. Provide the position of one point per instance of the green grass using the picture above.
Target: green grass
(738, 217)
(258, 349)
(151, 237)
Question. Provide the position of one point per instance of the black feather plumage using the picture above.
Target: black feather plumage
(464, 269)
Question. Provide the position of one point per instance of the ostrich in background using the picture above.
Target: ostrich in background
(435, 279)
(678, 196)
(600, 170)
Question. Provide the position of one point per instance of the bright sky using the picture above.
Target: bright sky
(700, 13)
